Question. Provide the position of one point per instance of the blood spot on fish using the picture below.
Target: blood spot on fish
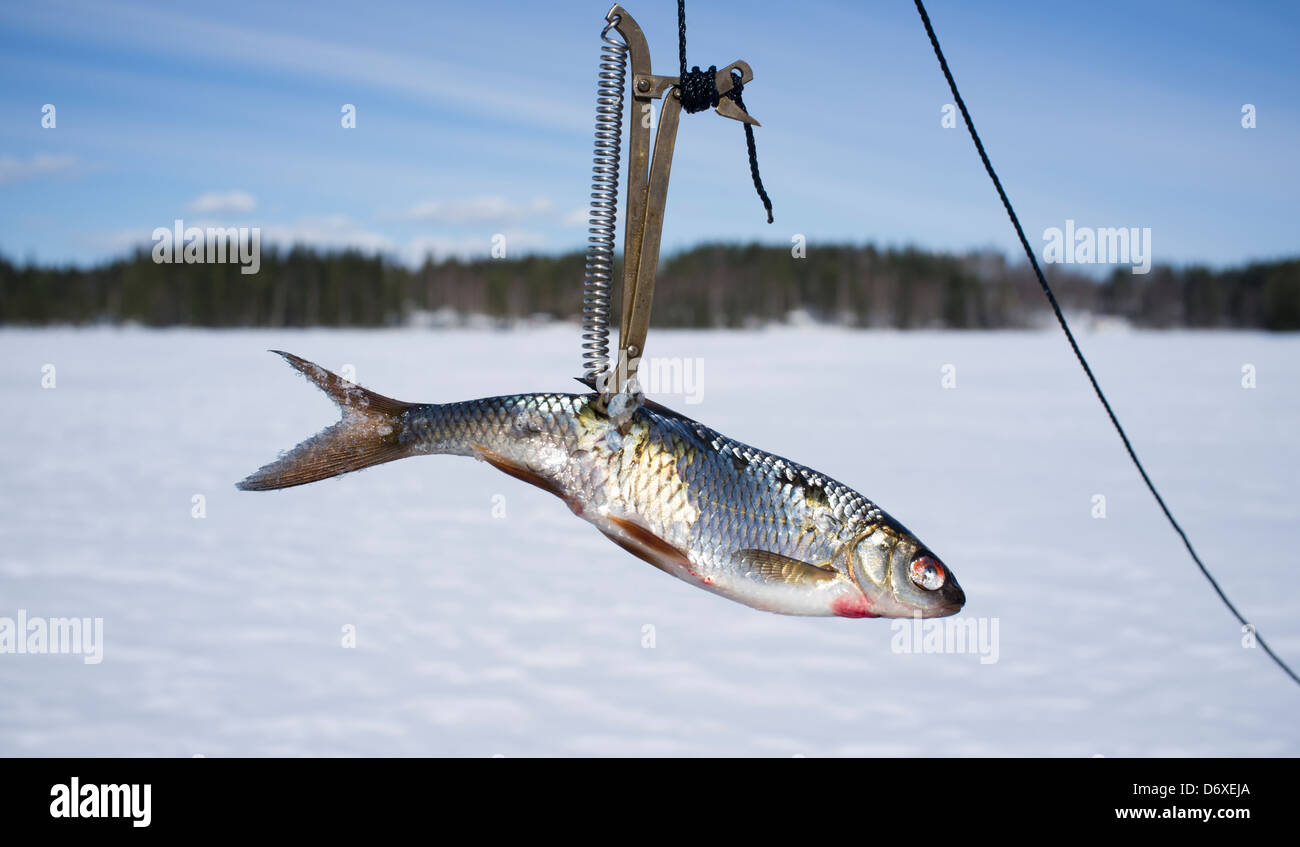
(852, 606)
(708, 580)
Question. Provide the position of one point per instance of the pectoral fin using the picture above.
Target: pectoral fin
(775, 568)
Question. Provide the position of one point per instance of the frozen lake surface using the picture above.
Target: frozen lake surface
(489, 620)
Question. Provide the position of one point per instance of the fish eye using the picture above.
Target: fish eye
(927, 573)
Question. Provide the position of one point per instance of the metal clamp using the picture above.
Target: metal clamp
(648, 189)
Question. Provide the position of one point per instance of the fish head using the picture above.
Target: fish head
(901, 577)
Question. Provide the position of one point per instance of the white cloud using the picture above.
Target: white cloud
(13, 169)
(478, 210)
(223, 203)
(469, 247)
(578, 217)
(336, 232)
(339, 232)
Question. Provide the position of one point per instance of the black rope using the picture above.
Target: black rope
(1060, 318)
(699, 91)
(734, 94)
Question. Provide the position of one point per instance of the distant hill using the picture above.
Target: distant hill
(708, 286)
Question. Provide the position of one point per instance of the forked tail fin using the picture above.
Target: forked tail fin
(369, 434)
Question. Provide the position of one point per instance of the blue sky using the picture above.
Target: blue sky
(476, 118)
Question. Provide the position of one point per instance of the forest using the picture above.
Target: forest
(712, 285)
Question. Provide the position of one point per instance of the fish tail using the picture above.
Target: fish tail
(369, 433)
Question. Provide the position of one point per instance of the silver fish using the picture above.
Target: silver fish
(718, 514)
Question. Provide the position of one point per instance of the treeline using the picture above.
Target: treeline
(709, 286)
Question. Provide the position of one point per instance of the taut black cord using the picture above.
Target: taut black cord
(699, 91)
(1060, 318)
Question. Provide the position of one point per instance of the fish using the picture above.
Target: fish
(731, 519)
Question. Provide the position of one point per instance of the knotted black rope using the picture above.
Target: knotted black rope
(699, 91)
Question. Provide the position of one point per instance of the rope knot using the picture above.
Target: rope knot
(699, 89)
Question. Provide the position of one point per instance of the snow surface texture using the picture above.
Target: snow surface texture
(524, 634)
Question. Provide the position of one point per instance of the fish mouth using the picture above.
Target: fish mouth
(945, 610)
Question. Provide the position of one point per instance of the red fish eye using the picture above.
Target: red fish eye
(927, 573)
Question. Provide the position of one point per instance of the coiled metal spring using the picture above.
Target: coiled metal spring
(603, 215)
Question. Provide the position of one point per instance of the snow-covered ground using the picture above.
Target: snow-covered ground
(489, 620)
